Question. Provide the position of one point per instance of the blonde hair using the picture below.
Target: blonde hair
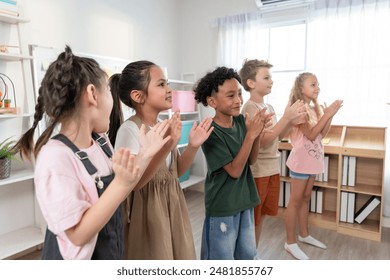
(249, 70)
(296, 94)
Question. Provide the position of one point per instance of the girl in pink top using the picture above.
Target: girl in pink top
(306, 160)
(80, 182)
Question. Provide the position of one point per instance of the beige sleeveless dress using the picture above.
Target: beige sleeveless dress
(158, 226)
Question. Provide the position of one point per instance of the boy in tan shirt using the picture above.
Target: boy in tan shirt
(257, 79)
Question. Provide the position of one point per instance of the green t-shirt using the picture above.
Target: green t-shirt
(224, 195)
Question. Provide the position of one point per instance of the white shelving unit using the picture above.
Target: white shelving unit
(21, 225)
(198, 168)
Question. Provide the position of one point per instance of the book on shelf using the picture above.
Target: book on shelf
(351, 171)
(344, 174)
(323, 177)
(351, 207)
(287, 191)
(326, 169)
(313, 198)
(366, 209)
(348, 176)
(343, 206)
(281, 194)
(319, 200)
(283, 166)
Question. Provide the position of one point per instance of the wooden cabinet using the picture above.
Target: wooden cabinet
(366, 145)
(20, 218)
(197, 171)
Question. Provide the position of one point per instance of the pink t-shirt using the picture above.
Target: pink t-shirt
(306, 156)
(65, 190)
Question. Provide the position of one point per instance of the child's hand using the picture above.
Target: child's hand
(152, 141)
(200, 133)
(333, 108)
(268, 121)
(126, 171)
(257, 123)
(175, 127)
(296, 113)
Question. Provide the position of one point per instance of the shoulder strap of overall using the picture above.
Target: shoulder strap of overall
(83, 156)
(102, 143)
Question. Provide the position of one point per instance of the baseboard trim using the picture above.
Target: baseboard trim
(386, 222)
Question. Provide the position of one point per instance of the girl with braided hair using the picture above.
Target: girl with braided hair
(80, 183)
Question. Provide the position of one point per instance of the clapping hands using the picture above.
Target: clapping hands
(261, 120)
(296, 113)
(127, 172)
(200, 133)
(333, 108)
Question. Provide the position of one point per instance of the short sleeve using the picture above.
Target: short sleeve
(216, 152)
(128, 137)
(62, 195)
(249, 108)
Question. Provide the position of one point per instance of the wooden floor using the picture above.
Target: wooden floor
(340, 247)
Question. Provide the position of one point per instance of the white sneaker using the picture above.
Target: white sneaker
(294, 250)
(312, 241)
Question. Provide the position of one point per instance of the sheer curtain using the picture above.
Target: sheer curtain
(348, 48)
(239, 37)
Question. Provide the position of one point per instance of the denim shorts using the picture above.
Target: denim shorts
(229, 238)
(300, 176)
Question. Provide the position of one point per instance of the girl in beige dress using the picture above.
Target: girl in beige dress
(158, 225)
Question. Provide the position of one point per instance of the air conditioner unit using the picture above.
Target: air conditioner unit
(261, 4)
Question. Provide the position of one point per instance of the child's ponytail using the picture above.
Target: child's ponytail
(116, 116)
(135, 76)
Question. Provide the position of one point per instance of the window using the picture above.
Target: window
(344, 44)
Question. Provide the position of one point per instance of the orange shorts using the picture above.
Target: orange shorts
(268, 189)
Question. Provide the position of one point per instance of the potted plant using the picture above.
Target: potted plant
(7, 103)
(7, 153)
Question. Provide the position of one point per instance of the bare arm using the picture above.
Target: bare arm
(236, 166)
(278, 131)
(326, 128)
(174, 131)
(94, 219)
(324, 123)
(291, 115)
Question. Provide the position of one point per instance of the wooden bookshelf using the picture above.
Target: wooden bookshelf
(368, 145)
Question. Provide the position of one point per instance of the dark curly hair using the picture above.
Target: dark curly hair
(208, 85)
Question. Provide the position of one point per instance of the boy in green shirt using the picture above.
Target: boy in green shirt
(230, 191)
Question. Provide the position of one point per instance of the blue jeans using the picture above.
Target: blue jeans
(229, 238)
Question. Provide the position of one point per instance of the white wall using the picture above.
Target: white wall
(198, 40)
(131, 29)
(198, 33)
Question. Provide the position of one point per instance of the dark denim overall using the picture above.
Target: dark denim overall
(110, 241)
